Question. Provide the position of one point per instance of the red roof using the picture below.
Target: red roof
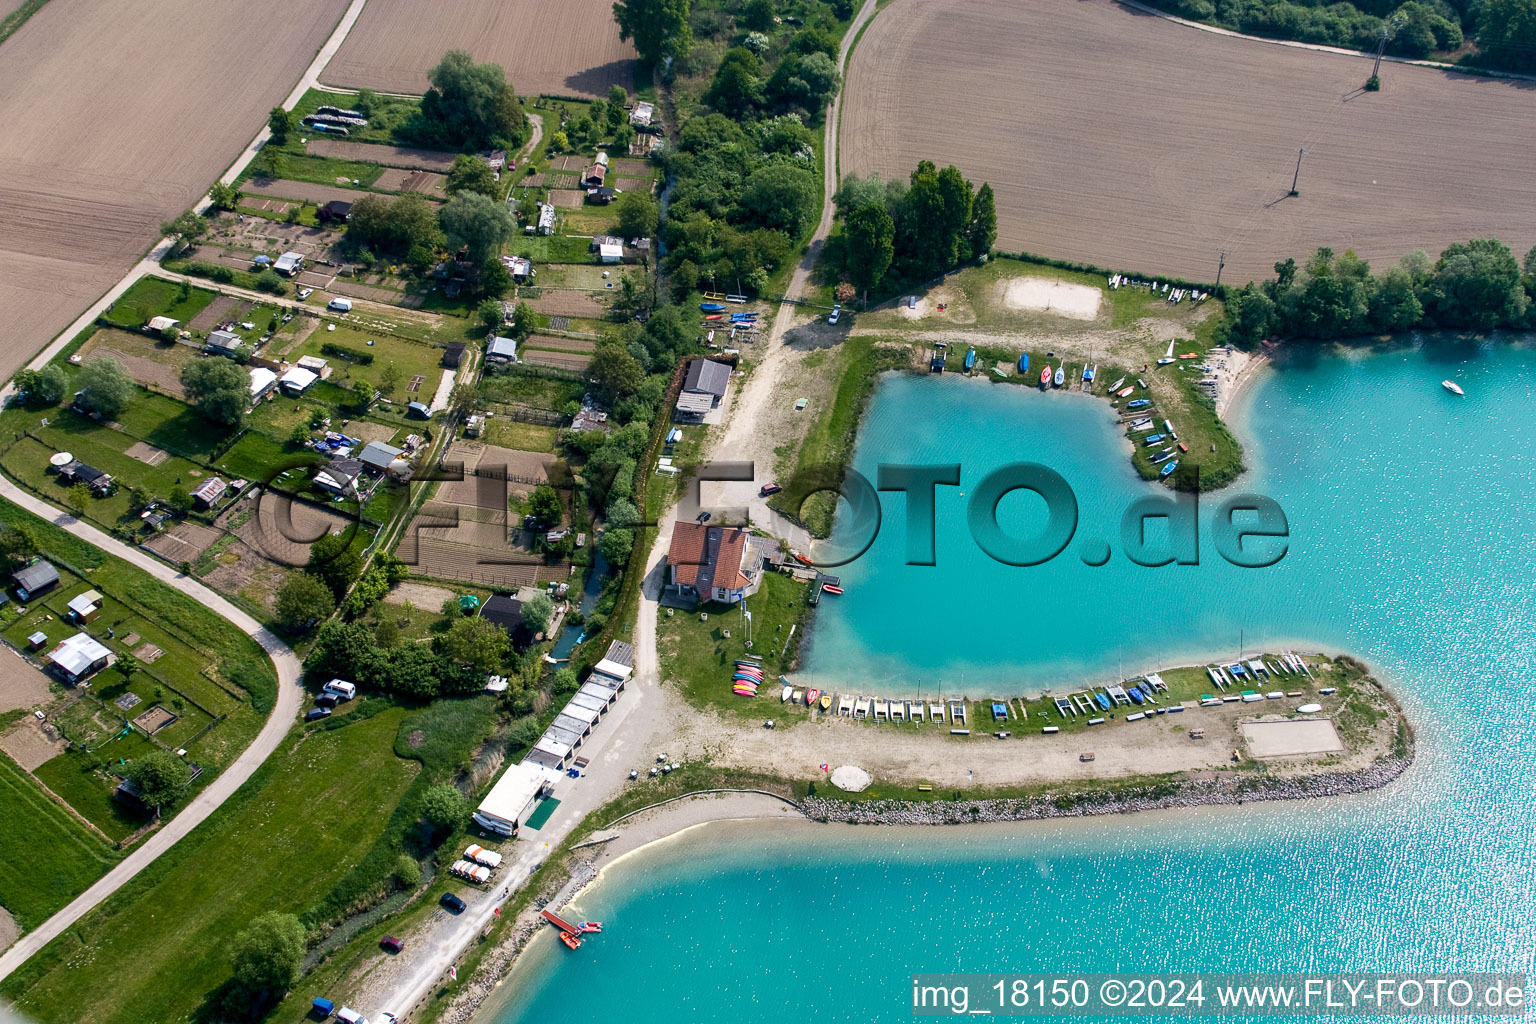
(706, 557)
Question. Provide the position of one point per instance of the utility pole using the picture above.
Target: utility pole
(1220, 266)
(1388, 30)
(1297, 176)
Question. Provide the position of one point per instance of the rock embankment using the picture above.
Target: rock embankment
(1223, 789)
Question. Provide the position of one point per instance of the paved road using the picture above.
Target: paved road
(289, 670)
(289, 698)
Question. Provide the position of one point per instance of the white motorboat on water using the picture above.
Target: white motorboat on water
(1452, 387)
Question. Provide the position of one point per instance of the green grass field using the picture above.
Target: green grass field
(698, 657)
(159, 947)
(47, 857)
(153, 296)
(89, 791)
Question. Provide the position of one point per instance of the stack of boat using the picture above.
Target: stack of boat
(470, 872)
(747, 678)
(480, 855)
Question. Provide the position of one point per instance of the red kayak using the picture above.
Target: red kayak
(715, 316)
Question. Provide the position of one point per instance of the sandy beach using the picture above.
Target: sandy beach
(1235, 372)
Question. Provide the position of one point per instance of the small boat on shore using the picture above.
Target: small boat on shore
(811, 697)
(711, 307)
(826, 702)
(970, 359)
(784, 697)
(1169, 468)
(1023, 363)
(1045, 376)
(1161, 458)
(1140, 403)
(1150, 441)
(1452, 387)
(1061, 375)
(1165, 361)
(1116, 385)
(1124, 392)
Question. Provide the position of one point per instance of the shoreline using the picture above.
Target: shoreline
(671, 818)
(1241, 381)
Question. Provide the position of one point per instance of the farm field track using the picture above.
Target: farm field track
(146, 137)
(388, 156)
(565, 49)
(1128, 141)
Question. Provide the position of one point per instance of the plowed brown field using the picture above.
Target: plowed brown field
(1128, 141)
(569, 48)
(117, 116)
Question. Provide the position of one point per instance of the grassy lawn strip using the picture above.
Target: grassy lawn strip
(294, 830)
(88, 793)
(698, 657)
(47, 857)
(152, 296)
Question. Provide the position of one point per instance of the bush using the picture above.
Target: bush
(353, 355)
(212, 271)
(272, 282)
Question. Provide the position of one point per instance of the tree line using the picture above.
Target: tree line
(1505, 30)
(1477, 285)
(896, 232)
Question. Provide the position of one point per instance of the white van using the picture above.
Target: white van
(347, 1015)
(340, 305)
(341, 688)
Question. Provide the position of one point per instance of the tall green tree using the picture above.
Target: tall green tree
(471, 174)
(537, 612)
(981, 234)
(780, 196)
(268, 953)
(333, 561)
(615, 372)
(160, 777)
(444, 807)
(475, 643)
(218, 388)
(104, 386)
(470, 105)
(659, 28)
(281, 123)
(544, 505)
(45, 386)
(1476, 284)
(871, 236)
(303, 599)
(637, 214)
(1506, 33)
(478, 223)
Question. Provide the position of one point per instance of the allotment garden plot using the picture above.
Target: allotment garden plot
(1135, 143)
(463, 531)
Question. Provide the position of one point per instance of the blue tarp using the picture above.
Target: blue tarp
(324, 1006)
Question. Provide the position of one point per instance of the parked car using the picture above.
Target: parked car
(837, 311)
(452, 902)
(340, 305)
(305, 293)
(341, 688)
(315, 714)
(390, 944)
(327, 700)
(768, 489)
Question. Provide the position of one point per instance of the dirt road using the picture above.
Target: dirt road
(289, 698)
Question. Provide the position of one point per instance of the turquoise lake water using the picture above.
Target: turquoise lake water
(1413, 517)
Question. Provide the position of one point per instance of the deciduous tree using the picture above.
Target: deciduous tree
(160, 777)
(478, 223)
(105, 387)
(267, 955)
(218, 388)
(659, 28)
(303, 599)
(471, 174)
